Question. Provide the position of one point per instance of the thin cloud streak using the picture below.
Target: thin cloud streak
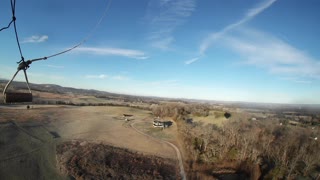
(36, 39)
(191, 61)
(120, 78)
(303, 82)
(165, 83)
(251, 13)
(130, 53)
(101, 76)
(55, 66)
(268, 52)
(42, 77)
(104, 76)
(296, 80)
(164, 17)
(163, 44)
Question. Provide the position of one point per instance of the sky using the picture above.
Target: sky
(225, 50)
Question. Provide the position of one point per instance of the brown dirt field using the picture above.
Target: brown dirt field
(99, 124)
(30, 136)
(83, 160)
(106, 125)
(48, 95)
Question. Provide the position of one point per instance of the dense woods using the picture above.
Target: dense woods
(265, 149)
(259, 149)
(280, 143)
(179, 110)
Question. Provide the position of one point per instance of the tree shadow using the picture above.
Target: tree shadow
(54, 134)
(167, 123)
(227, 115)
(188, 120)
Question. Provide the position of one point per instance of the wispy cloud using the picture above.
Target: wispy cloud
(191, 60)
(130, 53)
(165, 83)
(302, 81)
(35, 39)
(55, 66)
(46, 78)
(164, 16)
(120, 77)
(162, 43)
(104, 76)
(268, 52)
(250, 14)
(100, 76)
(297, 80)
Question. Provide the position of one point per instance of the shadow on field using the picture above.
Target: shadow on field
(27, 150)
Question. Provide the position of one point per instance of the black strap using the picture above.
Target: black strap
(83, 40)
(13, 19)
(13, 9)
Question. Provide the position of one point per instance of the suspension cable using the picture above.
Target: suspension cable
(13, 9)
(13, 6)
(13, 19)
(84, 39)
(24, 65)
(8, 25)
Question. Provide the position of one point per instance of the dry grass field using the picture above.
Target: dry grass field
(28, 137)
(167, 134)
(214, 117)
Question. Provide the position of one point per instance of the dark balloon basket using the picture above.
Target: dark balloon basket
(17, 97)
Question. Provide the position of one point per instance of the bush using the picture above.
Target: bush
(227, 115)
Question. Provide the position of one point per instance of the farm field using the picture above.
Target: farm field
(31, 135)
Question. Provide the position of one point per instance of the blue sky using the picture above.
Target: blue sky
(233, 50)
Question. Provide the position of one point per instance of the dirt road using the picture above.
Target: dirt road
(182, 172)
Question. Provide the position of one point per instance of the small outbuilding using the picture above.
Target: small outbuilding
(161, 124)
(127, 117)
(157, 123)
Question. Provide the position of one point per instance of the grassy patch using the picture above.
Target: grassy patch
(29, 152)
(215, 117)
(152, 131)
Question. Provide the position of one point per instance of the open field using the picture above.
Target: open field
(159, 133)
(100, 161)
(27, 152)
(200, 143)
(30, 136)
(214, 117)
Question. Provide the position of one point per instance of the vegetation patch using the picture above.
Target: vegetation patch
(265, 148)
(83, 160)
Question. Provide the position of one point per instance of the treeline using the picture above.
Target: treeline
(267, 149)
(53, 102)
(69, 103)
(179, 110)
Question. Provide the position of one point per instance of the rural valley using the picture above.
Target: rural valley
(85, 134)
(159, 90)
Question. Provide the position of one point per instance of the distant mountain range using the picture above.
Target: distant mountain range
(103, 94)
(53, 88)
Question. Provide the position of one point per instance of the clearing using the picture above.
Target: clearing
(30, 136)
